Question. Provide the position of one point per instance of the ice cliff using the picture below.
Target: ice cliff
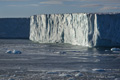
(86, 29)
(14, 28)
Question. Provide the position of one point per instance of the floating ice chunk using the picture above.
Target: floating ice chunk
(65, 75)
(98, 70)
(62, 52)
(106, 50)
(53, 72)
(16, 52)
(14, 75)
(115, 49)
(9, 52)
(74, 71)
(19, 71)
(78, 75)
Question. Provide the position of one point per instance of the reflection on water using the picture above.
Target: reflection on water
(63, 57)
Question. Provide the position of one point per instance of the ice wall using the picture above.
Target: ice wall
(14, 28)
(86, 29)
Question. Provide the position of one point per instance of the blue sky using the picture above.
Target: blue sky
(26, 8)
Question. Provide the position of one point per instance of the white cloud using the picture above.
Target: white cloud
(110, 8)
(51, 2)
(91, 5)
(33, 5)
(55, 1)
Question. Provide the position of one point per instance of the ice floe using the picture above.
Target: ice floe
(78, 75)
(13, 51)
(65, 75)
(52, 72)
(98, 70)
(115, 49)
(9, 52)
(16, 52)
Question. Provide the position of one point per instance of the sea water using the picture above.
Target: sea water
(50, 61)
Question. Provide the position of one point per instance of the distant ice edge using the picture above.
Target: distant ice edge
(14, 28)
(86, 29)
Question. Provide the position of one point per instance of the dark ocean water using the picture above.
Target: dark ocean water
(94, 63)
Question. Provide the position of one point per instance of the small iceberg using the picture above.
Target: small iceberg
(9, 52)
(98, 70)
(53, 72)
(107, 50)
(78, 75)
(74, 71)
(115, 49)
(13, 52)
(62, 52)
(65, 75)
(16, 52)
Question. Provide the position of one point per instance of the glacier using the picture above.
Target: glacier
(86, 29)
(14, 28)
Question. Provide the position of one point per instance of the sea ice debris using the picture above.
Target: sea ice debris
(62, 52)
(16, 52)
(78, 74)
(106, 50)
(115, 49)
(65, 75)
(52, 72)
(9, 52)
(98, 70)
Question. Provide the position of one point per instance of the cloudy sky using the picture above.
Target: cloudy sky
(26, 8)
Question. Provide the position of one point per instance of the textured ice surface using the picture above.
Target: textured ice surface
(85, 29)
(14, 28)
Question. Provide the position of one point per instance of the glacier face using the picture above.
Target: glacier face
(14, 28)
(86, 29)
